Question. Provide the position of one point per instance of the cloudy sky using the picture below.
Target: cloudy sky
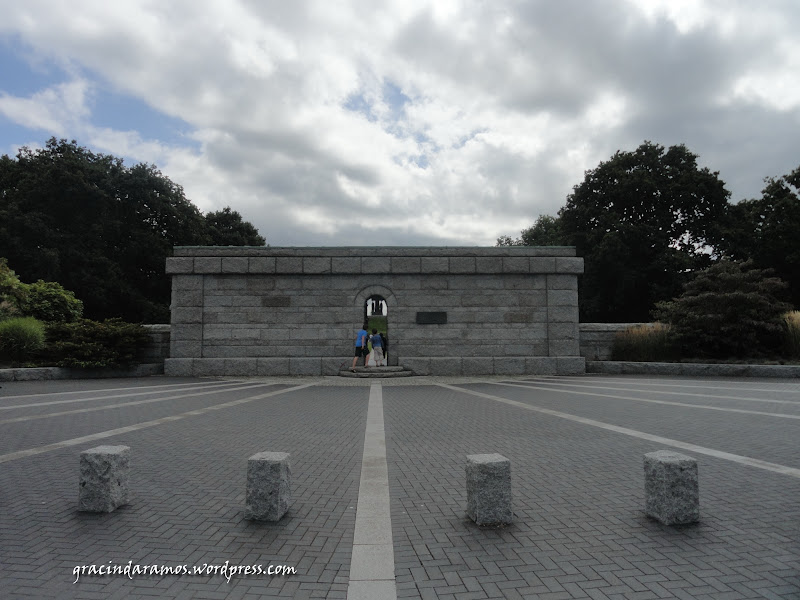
(371, 122)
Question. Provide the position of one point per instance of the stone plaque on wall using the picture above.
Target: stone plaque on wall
(431, 318)
(276, 301)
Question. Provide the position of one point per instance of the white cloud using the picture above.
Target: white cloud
(56, 109)
(770, 82)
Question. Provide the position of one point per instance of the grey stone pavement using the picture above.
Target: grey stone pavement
(576, 446)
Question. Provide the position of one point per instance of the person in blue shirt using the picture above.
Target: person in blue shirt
(361, 347)
(377, 347)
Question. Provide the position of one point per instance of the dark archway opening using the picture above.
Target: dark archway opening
(376, 316)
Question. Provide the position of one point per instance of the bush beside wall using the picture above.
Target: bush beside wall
(93, 344)
(792, 333)
(650, 342)
(21, 338)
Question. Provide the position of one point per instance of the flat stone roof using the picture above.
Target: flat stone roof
(207, 260)
(391, 251)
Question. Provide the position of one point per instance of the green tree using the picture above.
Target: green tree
(766, 230)
(643, 221)
(48, 301)
(546, 231)
(226, 228)
(730, 310)
(95, 226)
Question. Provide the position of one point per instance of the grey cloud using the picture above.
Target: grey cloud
(744, 142)
(366, 234)
(520, 60)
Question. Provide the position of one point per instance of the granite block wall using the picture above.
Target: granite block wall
(295, 311)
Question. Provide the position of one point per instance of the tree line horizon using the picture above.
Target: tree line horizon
(645, 221)
(648, 221)
(103, 230)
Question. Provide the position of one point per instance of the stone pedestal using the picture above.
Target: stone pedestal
(489, 489)
(104, 478)
(671, 488)
(269, 486)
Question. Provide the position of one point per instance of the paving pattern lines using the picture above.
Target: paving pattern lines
(776, 385)
(760, 440)
(30, 388)
(151, 389)
(749, 384)
(17, 436)
(70, 387)
(81, 425)
(577, 390)
(47, 414)
(187, 505)
(579, 530)
(793, 403)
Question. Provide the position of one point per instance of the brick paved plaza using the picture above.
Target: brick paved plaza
(576, 446)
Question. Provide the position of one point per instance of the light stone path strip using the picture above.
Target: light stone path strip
(372, 565)
(193, 394)
(743, 460)
(630, 389)
(536, 386)
(147, 424)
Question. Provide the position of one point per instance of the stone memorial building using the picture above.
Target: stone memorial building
(252, 311)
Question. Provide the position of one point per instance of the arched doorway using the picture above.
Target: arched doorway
(376, 316)
(375, 305)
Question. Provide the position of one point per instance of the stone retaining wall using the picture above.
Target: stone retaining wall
(597, 339)
(691, 369)
(47, 373)
(157, 350)
(452, 311)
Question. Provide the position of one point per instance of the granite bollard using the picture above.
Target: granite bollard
(104, 478)
(671, 488)
(269, 486)
(489, 489)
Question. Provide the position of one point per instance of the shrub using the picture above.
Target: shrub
(645, 343)
(730, 310)
(20, 337)
(92, 344)
(792, 321)
(49, 301)
(43, 300)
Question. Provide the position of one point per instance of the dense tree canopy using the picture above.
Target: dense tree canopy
(644, 221)
(99, 228)
(766, 231)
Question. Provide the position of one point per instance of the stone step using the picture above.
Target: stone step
(375, 375)
(376, 372)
